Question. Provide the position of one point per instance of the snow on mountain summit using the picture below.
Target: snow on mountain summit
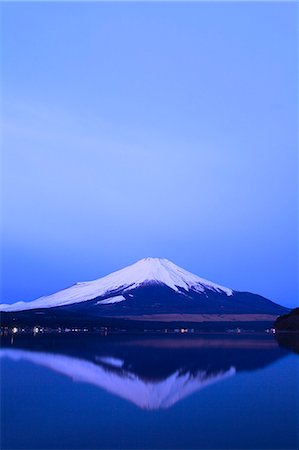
(164, 271)
(145, 271)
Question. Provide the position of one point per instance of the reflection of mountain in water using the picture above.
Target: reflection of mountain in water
(152, 373)
(109, 374)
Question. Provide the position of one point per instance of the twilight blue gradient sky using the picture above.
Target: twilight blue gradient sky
(149, 129)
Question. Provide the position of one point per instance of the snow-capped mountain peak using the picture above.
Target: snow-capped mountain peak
(161, 270)
(144, 271)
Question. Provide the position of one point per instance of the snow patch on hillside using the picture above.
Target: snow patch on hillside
(108, 301)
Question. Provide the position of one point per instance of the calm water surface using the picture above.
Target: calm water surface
(179, 392)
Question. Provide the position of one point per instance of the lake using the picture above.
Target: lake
(150, 392)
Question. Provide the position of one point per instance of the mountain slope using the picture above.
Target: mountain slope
(151, 290)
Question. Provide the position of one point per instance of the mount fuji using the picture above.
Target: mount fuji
(153, 290)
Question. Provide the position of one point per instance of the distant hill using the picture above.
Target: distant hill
(288, 322)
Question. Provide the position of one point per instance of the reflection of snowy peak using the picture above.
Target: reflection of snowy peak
(110, 375)
(148, 271)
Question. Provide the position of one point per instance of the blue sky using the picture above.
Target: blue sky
(149, 129)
